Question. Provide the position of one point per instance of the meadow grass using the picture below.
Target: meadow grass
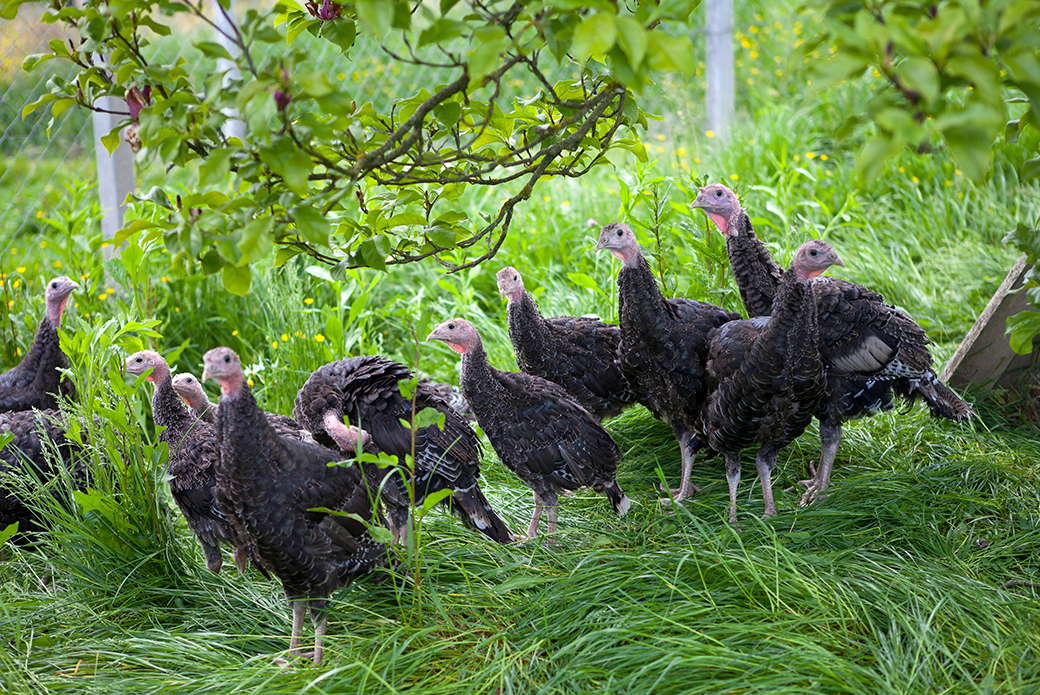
(920, 573)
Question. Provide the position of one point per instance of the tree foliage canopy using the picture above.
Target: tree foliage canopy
(959, 74)
(350, 184)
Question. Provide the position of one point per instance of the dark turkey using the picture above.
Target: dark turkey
(36, 380)
(538, 431)
(767, 374)
(39, 445)
(578, 353)
(452, 395)
(871, 350)
(199, 405)
(270, 487)
(365, 391)
(191, 465)
(664, 346)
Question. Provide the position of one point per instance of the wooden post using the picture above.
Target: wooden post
(718, 61)
(984, 358)
(115, 171)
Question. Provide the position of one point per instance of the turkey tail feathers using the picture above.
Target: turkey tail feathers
(618, 499)
(475, 511)
(941, 400)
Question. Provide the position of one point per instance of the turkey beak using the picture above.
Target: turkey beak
(206, 374)
(700, 202)
(433, 335)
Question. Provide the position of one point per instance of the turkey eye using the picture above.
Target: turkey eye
(813, 253)
(54, 285)
(451, 326)
(619, 232)
(718, 194)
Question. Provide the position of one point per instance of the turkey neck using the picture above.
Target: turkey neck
(793, 326)
(45, 348)
(243, 425)
(640, 302)
(167, 409)
(526, 325)
(757, 275)
(476, 380)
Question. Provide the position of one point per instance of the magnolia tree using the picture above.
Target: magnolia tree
(960, 75)
(347, 183)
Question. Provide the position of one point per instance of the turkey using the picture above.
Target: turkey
(768, 375)
(271, 487)
(38, 443)
(199, 405)
(191, 465)
(538, 431)
(365, 390)
(578, 353)
(869, 348)
(664, 345)
(37, 380)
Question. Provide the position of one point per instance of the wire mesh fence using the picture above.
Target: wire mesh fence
(42, 156)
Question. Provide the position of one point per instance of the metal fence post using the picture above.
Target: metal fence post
(233, 127)
(718, 62)
(115, 171)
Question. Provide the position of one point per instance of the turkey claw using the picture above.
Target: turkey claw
(812, 494)
(676, 494)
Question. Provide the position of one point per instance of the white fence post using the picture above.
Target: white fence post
(233, 128)
(718, 62)
(115, 171)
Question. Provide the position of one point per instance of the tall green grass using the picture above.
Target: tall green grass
(918, 574)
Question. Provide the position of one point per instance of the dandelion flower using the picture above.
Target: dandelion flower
(823, 158)
(102, 296)
(250, 383)
(285, 338)
(308, 301)
(914, 179)
(810, 155)
(234, 333)
(734, 177)
(709, 133)
(661, 138)
(320, 338)
(20, 269)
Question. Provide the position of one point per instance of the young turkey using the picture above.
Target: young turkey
(199, 405)
(664, 346)
(191, 465)
(578, 353)
(36, 381)
(39, 443)
(870, 348)
(537, 429)
(365, 391)
(768, 375)
(270, 486)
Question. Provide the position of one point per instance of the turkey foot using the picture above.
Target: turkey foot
(677, 494)
(293, 659)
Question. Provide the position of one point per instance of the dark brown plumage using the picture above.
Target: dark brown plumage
(199, 405)
(870, 349)
(664, 346)
(39, 444)
(36, 380)
(269, 486)
(767, 375)
(191, 464)
(578, 353)
(365, 390)
(538, 431)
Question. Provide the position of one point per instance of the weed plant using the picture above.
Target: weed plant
(918, 574)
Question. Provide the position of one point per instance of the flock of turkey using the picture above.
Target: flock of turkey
(298, 498)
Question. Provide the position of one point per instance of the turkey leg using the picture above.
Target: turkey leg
(733, 479)
(764, 463)
(532, 528)
(830, 437)
(685, 488)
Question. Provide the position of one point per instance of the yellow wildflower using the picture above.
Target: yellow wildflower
(320, 338)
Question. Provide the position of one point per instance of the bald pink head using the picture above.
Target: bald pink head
(721, 206)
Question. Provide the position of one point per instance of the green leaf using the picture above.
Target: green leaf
(334, 329)
(112, 140)
(632, 39)
(37, 103)
(237, 279)
(1022, 328)
(342, 32)
(256, 242)
(433, 499)
(921, 76)
(311, 224)
(298, 168)
(873, 156)
(10, 529)
(672, 53)
(284, 254)
(583, 280)
(594, 36)
(1030, 169)
(215, 166)
(376, 16)
(314, 83)
(212, 49)
(374, 251)
(34, 60)
(491, 43)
